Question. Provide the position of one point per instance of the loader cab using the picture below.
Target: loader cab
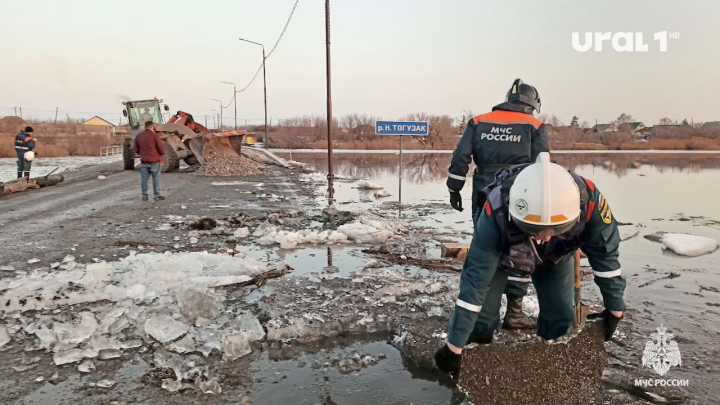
(139, 112)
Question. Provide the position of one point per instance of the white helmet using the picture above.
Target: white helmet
(544, 199)
(29, 156)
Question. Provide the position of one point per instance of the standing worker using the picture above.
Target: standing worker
(152, 151)
(24, 147)
(508, 135)
(536, 216)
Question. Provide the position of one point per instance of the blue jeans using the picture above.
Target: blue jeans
(146, 170)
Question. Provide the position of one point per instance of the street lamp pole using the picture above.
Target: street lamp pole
(234, 98)
(264, 87)
(221, 108)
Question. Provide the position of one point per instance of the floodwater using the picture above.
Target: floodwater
(43, 166)
(667, 192)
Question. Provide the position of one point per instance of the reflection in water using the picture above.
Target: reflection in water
(433, 167)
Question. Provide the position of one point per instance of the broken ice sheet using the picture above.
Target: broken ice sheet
(105, 383)
(4, 336)
(165, 329)
(210, 387)
(86, 366)
(184, 345)
(194, 304)
(33, 261)
(171, 385)
(68, 259)
(235, 346)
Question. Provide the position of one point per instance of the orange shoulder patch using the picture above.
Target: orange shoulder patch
(488, 211)
(590, 184)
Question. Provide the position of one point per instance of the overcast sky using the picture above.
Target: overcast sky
(390, 57)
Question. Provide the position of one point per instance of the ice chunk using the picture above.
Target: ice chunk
(689, 245)
(164, 227)
(210, 341)
(55, 265)
(194, 304)
(210, 387)
(184, 345)
(235, 346)
(164, 328)
(46, 336)
(4, 336)
(33, 261)
(68, 356)
(68, 259)
(242, 232)
(86, 366)
(382, 194)
(108, 354)
(314, 177)
(250, 326)
(347, 366)
(82, 331)
(171, 385)
(97, 272)
(368, 185)
(193, 240)
(7, 268)
(99, 343)
(105, 383)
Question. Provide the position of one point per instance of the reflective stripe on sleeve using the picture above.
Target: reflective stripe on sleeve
(608, 274)
(456, 177)
(468, 306)
(520, 279)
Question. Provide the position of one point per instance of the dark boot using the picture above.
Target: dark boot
(514, 316)
(20, 174)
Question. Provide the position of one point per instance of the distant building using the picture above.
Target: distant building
(711, 125)
(604, 128)
(636, 127)
(99, 122)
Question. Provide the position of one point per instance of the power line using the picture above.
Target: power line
(273, 48)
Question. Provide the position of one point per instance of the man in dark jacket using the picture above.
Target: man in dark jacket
(24, 144)
(535, 218)
(508, 135)
(151, 150)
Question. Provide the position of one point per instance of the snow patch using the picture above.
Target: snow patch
(368, 185)
(689, 245)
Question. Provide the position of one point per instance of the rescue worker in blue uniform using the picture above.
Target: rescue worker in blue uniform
(508, 135)
(535, 217)
(23, 145)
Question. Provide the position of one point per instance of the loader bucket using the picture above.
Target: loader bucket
(226, 143)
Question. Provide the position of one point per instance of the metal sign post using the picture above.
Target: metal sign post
(401, 128)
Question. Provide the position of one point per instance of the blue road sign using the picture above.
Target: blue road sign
(416, 128)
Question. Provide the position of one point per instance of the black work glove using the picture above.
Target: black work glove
(456, 200)
(447, 361)
(610, 322)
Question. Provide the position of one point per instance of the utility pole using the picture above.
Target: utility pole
(221, 107)
(56, 112)
(264, 87)
(331, 177)
(235, 100)
(206, 121)
(21, 112)
(15, 111)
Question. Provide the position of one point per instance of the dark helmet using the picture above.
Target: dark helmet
(28, 129)
(524, 93)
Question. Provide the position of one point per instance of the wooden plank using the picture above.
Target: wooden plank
(456, 250)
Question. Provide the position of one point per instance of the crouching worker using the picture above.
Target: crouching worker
(535, 217)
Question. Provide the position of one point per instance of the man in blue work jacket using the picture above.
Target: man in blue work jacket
(508, 135)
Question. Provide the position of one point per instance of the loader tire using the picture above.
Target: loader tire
(192, 160)
(128, 156)
(172, 163)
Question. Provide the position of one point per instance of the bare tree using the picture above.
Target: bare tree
(555, 121)
(585, 124)
(685, 122)
(665, 121)
(442, 130)
(624, 119)
(543, 117)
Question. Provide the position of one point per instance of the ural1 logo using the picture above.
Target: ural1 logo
(621, 41)
(661, 354)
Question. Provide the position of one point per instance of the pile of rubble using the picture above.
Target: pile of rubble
(217, 164)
